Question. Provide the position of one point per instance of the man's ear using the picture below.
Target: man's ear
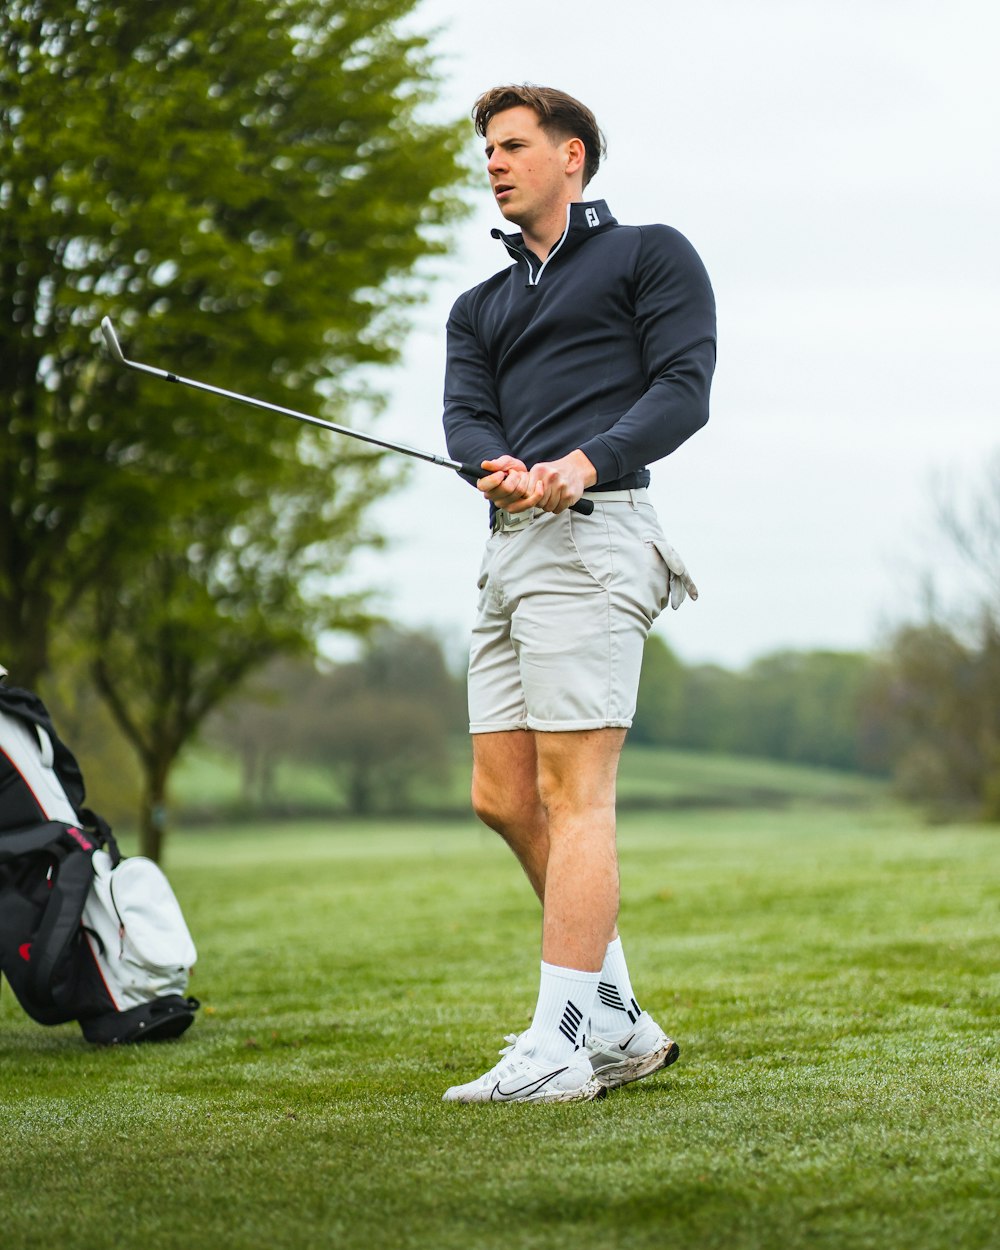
(576, 155)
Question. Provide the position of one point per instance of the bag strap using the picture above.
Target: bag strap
(30, 841)
(100, 831)
(73, 850)
(61, 918)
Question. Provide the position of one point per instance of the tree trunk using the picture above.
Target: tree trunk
(249, 757)
(359, 791)
(153, 818)
(25, 642)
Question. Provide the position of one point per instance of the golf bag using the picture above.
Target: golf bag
(84, 934)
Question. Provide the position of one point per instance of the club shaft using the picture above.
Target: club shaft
(253, 402)
(471, 471)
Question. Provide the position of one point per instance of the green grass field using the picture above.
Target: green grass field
(831, 973)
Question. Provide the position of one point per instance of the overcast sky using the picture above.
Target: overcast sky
(835, 165)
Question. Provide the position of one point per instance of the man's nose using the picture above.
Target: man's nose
(497, 162)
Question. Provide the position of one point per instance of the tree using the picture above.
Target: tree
(249, 184)
(265, 722)
(941, 694)
(213, 605)
(804, 706)
(247, 190)
(659, 714)
(939, 689)
(392, 712)
(381, 723)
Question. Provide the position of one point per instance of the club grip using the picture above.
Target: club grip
(473, 472)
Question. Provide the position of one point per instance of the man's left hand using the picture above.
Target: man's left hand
(555, 485)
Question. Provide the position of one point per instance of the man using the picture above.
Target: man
(567, 374)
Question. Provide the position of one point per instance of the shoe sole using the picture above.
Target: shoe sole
(614, 1075)
(586, 1093)
(592, 1091)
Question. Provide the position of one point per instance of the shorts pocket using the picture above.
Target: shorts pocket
(592, 546)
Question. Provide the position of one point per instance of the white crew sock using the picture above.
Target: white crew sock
(615, 1009)
(565, 1001)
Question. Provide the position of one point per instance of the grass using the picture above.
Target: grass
(831, 973)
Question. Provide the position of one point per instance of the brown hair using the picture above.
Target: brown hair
(558, 115)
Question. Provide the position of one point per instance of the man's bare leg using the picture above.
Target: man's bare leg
(576, 784)
(526, 783)
(505, 797)
(552, 798)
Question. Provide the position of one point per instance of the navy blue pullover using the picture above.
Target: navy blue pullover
(607, 346)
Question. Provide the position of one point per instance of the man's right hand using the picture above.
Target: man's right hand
(507, 484)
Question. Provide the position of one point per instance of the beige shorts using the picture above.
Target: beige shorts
(565, 604)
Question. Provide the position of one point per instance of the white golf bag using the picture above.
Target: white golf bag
(84, 934)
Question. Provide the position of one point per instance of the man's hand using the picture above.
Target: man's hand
(552, 486)
(508, 481)
(556, 485)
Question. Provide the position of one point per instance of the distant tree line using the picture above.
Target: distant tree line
(811, 707)
(385, 727)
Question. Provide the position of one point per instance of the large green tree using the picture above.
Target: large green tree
(247, 188)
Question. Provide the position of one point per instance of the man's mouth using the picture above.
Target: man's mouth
(501, 188)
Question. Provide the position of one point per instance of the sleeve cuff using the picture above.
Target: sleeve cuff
(603, 459)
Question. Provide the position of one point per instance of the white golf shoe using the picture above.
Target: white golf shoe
(520, 1077)
(640, 1052)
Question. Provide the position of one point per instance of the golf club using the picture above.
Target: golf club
(471, 471)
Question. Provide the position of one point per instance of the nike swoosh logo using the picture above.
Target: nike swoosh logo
(500, 1095)
(627, 1042)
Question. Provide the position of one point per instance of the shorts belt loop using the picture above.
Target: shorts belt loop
(631, 501)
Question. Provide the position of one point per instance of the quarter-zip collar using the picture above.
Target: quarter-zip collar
(582, 220)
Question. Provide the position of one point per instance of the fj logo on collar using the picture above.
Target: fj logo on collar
(592, 217)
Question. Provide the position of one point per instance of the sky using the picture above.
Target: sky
(836, 167)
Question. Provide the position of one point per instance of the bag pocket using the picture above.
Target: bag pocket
(154, 933)
(138, 934)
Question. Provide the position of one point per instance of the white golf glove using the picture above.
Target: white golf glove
(681, 584)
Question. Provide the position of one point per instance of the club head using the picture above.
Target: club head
(111, 340)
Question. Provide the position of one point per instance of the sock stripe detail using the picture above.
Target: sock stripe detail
(609, 996)
(569, 1026)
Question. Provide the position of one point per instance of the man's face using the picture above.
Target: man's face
(527, 168)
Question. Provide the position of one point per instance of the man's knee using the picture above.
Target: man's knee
(504, 786)
(486, 804)
(504, 809)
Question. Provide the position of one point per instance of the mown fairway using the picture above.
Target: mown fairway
(831, 974)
